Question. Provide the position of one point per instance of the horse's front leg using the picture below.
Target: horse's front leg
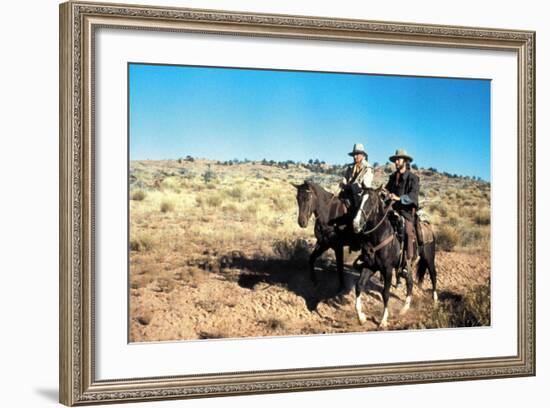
(360, 287)
(387, 273)
(431, 268)
(339, 252)
(317, 252)
(407, 305)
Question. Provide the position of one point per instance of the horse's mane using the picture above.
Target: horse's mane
(319, 191)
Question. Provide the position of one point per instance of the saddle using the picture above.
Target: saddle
(424, 231)
(423, 234)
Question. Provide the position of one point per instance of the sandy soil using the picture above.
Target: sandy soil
(237, 295)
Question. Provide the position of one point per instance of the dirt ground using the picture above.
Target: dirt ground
(247, 296)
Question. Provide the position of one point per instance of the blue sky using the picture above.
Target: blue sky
(227, 113)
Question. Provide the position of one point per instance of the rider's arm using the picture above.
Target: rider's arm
(411, 196)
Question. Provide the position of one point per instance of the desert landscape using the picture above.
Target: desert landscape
(216, 252)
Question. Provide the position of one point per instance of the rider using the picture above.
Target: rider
(403, 187)
(357, 176)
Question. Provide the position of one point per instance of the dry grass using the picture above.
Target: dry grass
(446, 237)
(256, 202)
(474, 309)
(141, 242)
(167, 206)
(138, 195)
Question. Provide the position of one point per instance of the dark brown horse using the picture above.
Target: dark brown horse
(381, 251)
(325, 207)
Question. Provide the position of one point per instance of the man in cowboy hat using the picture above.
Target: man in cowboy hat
(358, 175)
(356, 178)
(403, 187)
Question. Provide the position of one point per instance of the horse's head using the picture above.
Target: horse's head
(305, 198)
(371, 200)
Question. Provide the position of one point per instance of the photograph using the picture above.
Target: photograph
(270, 202)
(267, 202)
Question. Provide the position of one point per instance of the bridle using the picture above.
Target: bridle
(309, 209)
(371, 250)
(380, 222)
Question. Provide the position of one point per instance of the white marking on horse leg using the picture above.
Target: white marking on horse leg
(357, 219)
(407, 305)
(436, 299)
(360, 315)
(384, 322)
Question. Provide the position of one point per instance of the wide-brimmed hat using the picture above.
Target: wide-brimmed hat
(358, 148)
(401, 153)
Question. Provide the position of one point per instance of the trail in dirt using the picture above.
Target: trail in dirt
(251, 301)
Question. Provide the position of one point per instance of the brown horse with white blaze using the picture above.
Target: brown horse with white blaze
(381, 252)
(325, 207)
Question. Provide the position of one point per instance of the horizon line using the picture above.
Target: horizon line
(379, 164)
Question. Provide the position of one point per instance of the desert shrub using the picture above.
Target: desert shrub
(280, 203)
(446, 237)
(208, 175)
(138, 195)
(482, 217)
(474, 309)
(229, 208)
(250, 212)
(467, 212)
(442, 209)
(169, 183)
(236, 193)
(167, 206)
(291, 249)
(275, 323)
(461, 195)
(141, 243)
(470, 236)
(213, 200)
(453, 221)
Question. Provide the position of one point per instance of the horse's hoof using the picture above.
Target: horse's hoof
(407, 306)
(383, 325)
(362, 317)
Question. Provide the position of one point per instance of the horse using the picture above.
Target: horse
(326, 207)
(381, 251)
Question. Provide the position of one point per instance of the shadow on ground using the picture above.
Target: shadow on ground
(294, 275)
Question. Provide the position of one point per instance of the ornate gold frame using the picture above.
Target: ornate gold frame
(78, 21)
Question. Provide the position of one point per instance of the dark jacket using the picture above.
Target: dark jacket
(406, 186)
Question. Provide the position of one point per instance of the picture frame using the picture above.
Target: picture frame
(79, 23)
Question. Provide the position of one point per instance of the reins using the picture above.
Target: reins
(373, 249)
(380, 222)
